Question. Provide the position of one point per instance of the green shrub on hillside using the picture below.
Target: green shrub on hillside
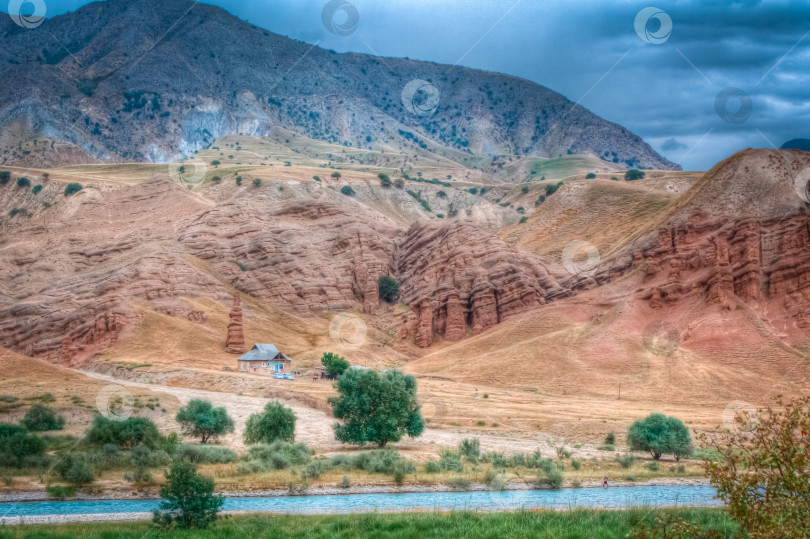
(72, 188)
(347, 190)
(41, 418)
(389, 288)
(633, 174)
(37, 189)
(23, 182)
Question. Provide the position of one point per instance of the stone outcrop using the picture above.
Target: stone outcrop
(235, 341)
(459, 279)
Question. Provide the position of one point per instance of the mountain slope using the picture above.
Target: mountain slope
(144, 80)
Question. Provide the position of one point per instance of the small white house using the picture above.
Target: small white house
(265, 359)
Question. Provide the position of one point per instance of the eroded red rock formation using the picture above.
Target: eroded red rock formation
(235, 341)
(459, 279)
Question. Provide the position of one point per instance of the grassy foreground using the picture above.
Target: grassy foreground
(551, 524)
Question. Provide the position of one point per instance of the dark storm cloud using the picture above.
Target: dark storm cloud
(590, 52)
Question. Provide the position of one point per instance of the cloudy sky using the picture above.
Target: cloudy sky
(726, 76)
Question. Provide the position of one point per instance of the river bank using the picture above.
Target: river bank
(324, 490)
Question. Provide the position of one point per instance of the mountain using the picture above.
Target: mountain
(150, 81)
(802, 144)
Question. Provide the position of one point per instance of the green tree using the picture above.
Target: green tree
(23, 182)
(215, 162)
(763, 473)
(257, 182)
(385, 180)
(277, 422)
(16, 444)
(126, 434)
(72, 188)
(347, 190)
(188, 499)
(335, 364)
(590, 176)
(199, 418)
(239, 180)
(336, 175)
(378, 409)
(75, 469)
(659, 434)
(5, 176)
(36, 190)
(41, 418)
(389, 288)
(633, 174)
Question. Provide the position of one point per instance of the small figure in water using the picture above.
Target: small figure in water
(604, 483)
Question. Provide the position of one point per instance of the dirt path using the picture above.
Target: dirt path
(314, 427)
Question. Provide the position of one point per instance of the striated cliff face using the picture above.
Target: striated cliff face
(76, 276)
(459, 279)
(304, 256)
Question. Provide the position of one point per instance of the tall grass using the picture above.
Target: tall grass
(540, 524)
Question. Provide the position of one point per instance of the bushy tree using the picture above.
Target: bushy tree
(590, 176)
(659, 434)
(336, 175)
(126, 434)
(335, 364)
(75, 469)
(199, 418)
(389, 288)
(633, 174)
(257, 182)
(385, 180)
(277, 422)
(16, 443)
(188, 499)
(378, 409)
(347, 190)
(763, 473)
(72, 188)
(41, 418)
(37, 189)
(23, 182)
(5, 176)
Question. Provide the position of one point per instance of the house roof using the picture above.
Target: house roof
(263, 352)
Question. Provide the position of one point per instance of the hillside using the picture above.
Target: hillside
(699, 292)
(126, 87)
